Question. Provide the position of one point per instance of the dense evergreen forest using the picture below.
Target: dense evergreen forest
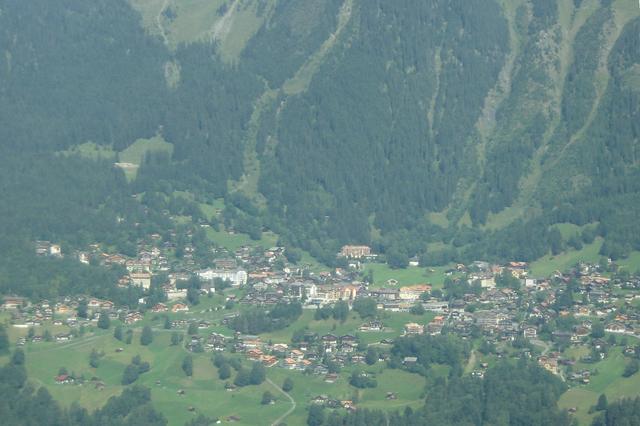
(353, 122)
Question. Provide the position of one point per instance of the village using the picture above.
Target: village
(511, 312)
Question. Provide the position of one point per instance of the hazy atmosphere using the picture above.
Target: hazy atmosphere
(320, 212)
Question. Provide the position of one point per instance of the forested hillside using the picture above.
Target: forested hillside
(444, 129)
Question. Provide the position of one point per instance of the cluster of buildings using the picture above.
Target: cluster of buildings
(485, 307)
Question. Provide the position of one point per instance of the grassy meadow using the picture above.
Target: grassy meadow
(609, 381)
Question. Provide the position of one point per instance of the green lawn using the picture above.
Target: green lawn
(568, 230)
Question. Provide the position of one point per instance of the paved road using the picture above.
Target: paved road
(293, 404)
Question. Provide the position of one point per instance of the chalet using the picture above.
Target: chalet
(413, 328)
(296, 355)
(250, 342)
(289, 363)
(254, 354)
(133, 317)
(159, 307)
(107, 304)
(280, 348)
(410, 360)
(269, 360)
(615, 327)
(14, 302)
(373, 325)
(63, 337)
(55, 250)
(179, 307)
(329, 342)
(413, 292)
(347, 404)
(355, 252)
(436, 306)
(549, 364)
(357, 358)
(347, 292)
(64, 379)
(331, 378)
(320, 399)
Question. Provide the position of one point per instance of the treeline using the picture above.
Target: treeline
(625, 412)
(258, 320)
(522, 394)
(445, 349)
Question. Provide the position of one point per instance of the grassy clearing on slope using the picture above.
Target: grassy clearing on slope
(135, 153)
(237, 240)
(408, 387)
(194, 20)
(246, 24)
(631, 263)
(204, 390)
(410, 275)
(546, 265)
(609, 381)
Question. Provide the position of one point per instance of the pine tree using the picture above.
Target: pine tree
(287, 385)
(117, 332)
(187, 365)
(602, 403)
(103, 321)
(147, 336)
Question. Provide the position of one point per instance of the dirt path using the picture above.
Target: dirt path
(290, 410)
(471, 363)
(163, 33)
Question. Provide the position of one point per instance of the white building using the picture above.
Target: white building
(237, 277)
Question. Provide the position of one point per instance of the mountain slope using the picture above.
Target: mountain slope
(336, 121)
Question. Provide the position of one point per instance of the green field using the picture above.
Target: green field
(236, 240)
(609, 381)
(408, 276)
(135, 153)
(204, 391)
(631, 263)
(409, 388)
(200, 20)
(546, 265)
(393, 321)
